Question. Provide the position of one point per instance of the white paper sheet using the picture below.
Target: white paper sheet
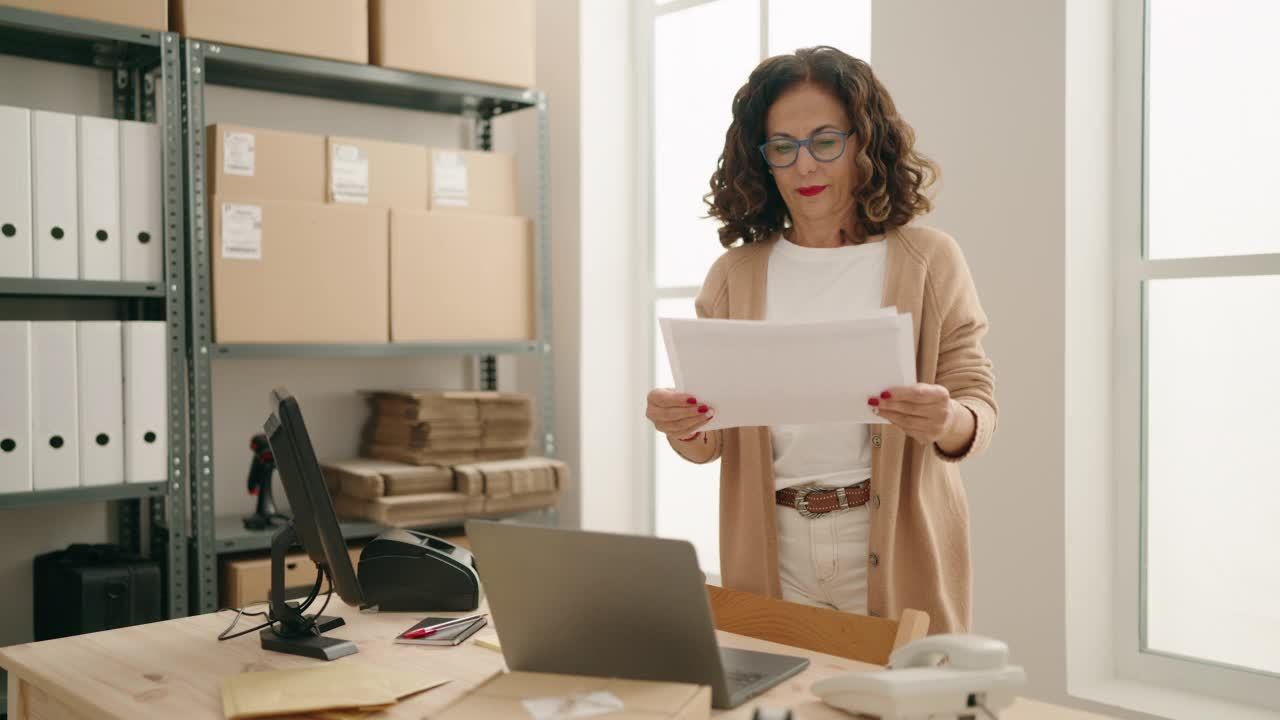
(757, 373)
(573, 707)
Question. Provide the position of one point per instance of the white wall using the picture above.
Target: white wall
(982, 82)
(557, 75)
(614, 497)
(1090, 154)
(1014, 101)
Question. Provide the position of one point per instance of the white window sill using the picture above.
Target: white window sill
(1166, 703)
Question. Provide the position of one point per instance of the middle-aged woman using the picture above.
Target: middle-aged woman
(815, 192)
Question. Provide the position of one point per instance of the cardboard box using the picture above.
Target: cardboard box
(460, 278)
(147, 14)
(476, 406)
(334, 29)
(371, 172)
(247, 580)
(370, 479)
(418, 457)
(260, 164)
(502, 696)
(286, 272)
(470, 482)
(488, 41)
(505, 478)
(467, 181)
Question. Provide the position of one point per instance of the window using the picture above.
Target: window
(697, 53)
(1204, 277)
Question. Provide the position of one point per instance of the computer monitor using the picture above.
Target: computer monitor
(315, 527)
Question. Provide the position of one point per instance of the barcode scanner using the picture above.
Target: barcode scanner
(261, 469)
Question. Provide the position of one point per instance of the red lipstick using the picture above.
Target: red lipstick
(811, 190)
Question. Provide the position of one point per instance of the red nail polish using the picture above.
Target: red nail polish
(873, 401)
(703, 408)
(885, 395)
(693, 401)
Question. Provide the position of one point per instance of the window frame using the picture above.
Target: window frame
(649, 293)
(1134, 271)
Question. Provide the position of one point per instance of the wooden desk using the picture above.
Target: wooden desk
(172, 670)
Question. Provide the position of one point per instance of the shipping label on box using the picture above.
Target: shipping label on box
(349, 176)
(472, 182)
(265, 165)
(324, 281)
(237, 153)
(377, 173)
(449, 173)
(241, 231)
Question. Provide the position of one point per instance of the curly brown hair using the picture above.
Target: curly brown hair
(893, 176)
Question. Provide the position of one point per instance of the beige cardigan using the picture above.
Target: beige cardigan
(919, 546)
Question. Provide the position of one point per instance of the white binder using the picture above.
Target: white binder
(141, 218)
(146, 384)
(55, 209)
(15, 406)
(15, 192)
(99, 190)
(55, 442)
(100, 362)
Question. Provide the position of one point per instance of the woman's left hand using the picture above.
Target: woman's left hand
(927, 413)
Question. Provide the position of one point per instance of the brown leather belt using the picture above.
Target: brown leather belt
(811, 502)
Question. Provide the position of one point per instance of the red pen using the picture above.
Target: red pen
(433, 629)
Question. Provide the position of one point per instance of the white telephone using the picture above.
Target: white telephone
(972, 682)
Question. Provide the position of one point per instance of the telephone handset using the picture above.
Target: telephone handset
(962, 652)
(942, 676)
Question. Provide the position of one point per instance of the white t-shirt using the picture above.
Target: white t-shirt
(819, 285)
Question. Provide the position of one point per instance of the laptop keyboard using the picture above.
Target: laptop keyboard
(742, 678)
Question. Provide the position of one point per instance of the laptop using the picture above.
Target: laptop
(606, 605)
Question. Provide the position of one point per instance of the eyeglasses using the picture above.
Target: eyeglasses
(824, 146)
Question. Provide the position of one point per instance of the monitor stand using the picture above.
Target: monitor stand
(295, 633)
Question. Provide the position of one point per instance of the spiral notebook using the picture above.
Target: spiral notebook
(447, 636)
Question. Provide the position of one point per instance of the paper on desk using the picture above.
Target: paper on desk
(769, 373)
(488, 638)
(334, 686)
(579, 705)
(354, 714)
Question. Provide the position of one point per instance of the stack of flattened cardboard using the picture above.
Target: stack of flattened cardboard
(399, 495)
(448, 428)
(394, 494)
(507, 486)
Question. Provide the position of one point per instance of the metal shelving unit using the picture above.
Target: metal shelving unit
(371, 350)
(206, 63)
(144, 67)
(40, 287)
(131, 491)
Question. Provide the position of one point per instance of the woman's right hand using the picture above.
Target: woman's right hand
(676, 414)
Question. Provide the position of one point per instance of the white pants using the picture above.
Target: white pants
(823, 561)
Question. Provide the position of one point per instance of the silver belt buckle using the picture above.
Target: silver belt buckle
(802, 506)
(843, 498)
